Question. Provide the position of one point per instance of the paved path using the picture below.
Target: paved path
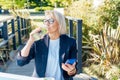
(15, 69)
(25, 70)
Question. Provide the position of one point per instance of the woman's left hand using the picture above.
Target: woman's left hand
(71, 70)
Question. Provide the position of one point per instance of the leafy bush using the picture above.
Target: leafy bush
(108, 13)
(43, 8)
(106, 52)
(83, 10)
(93, 18)
(21, 13)
(103, 72)
(32, 5)
(106, 46)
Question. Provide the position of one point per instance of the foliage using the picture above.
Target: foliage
(103, 72)
(105, 51)
(32, 5)
(83, 10)
(7, 4)
(106, 46)
(43, 8)
(24, 13)
(93, 18)
(108, 13)
(3, 6)
(20, 3)
(60, 3)
(40, 3)
(52, 3)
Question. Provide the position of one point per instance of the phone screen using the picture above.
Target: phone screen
(70, 61)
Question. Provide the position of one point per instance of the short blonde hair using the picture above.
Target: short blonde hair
(60, 19)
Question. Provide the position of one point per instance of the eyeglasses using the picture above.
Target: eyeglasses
(50, 21)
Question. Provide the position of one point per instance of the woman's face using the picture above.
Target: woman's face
(52, 24)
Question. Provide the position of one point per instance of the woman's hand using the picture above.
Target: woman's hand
(33, 32)
(71, 70)
(26, 49)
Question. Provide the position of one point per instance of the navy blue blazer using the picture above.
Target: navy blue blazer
(39, 51)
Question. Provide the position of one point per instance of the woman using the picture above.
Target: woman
(52, 51)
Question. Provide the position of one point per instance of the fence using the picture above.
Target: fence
(13, 28)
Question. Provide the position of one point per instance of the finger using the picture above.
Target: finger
(35, 31)
(69, 69)
(71, 66)
(64, 67)
(72, 72)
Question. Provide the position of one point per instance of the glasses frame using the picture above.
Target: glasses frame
(50, 21)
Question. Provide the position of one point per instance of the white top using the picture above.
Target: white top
(53, 67)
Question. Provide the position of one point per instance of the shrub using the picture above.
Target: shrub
(43, 8)
(106, 52)
(94, 19)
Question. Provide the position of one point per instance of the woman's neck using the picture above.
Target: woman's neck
(54, 36)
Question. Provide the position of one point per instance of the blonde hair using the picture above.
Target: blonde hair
(60, 19)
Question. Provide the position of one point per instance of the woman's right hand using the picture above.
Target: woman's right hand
(31, 38)
(26, 49)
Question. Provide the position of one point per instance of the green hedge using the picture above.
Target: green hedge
(43, 8)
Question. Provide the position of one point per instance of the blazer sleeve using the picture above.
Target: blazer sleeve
(21, 61)
(73, 50)
(72, 54)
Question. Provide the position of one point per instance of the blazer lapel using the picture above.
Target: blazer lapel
(62, 49)
(46, 41)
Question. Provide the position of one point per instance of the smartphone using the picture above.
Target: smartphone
(70, 61)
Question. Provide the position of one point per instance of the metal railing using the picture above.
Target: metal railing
(13, 28)
(75, 26)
